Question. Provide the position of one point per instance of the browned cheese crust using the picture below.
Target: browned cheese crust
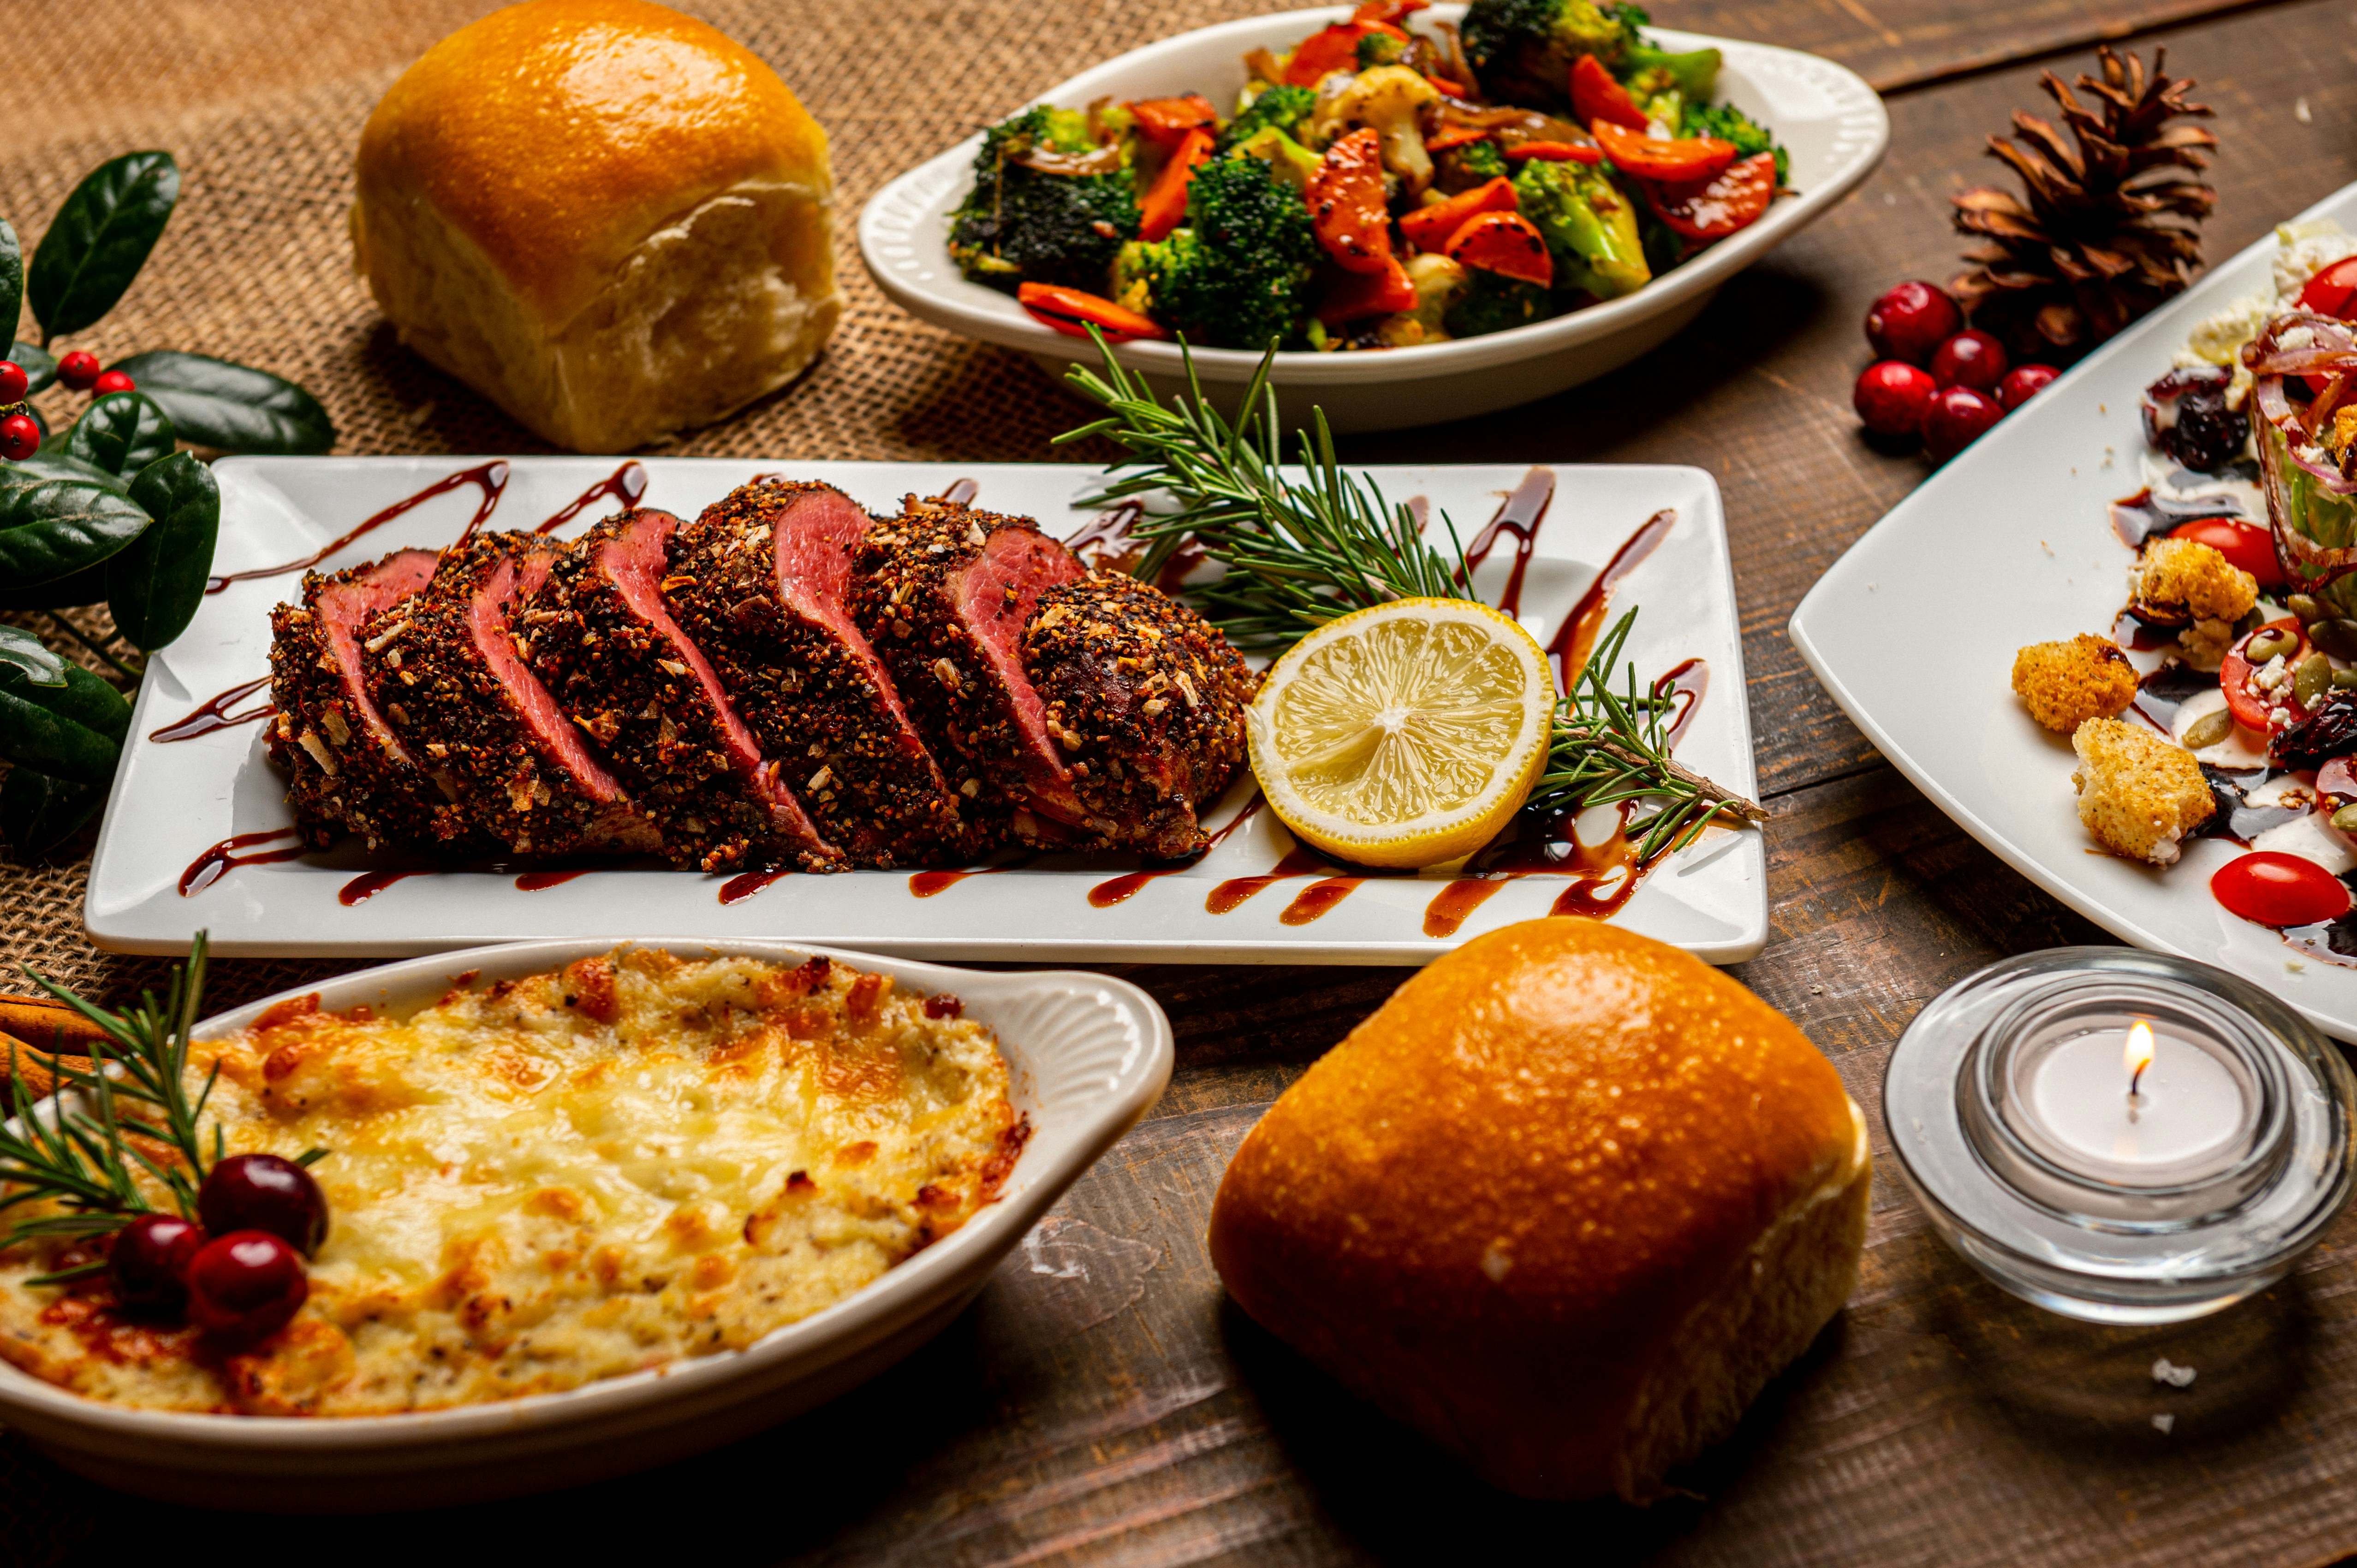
(442, 698)
(1148, 699)
(871, 787)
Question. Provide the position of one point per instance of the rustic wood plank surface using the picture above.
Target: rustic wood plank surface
(1102, 1405)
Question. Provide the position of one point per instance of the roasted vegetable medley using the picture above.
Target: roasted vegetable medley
(1377, 185)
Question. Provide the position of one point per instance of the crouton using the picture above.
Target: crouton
(2066, 683)
(2139, 793)
(2184, 582)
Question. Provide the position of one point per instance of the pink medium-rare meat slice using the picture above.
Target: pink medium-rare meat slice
(944, 593)
(346, 769)
(1146, 698)
(761, 582)
(445, 668)
(603, 643)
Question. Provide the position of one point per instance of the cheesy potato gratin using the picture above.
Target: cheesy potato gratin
(544, 1182)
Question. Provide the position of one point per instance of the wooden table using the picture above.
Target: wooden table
(1102, 1403)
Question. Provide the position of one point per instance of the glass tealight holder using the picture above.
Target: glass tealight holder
(2122, 1136)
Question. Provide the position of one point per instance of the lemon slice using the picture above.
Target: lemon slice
(1403, 734)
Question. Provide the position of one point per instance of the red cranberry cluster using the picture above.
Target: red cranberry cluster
(239, 1276)
(1937, 379)
(20, 432)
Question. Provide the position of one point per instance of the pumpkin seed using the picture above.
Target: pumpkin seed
(2310, 682)
(2269, 644)
(2344, 680)
(2336, 637)
(2345, 819)
(2305, 606)
(2209, 730)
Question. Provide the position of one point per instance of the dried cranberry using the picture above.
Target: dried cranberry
(263, 1192)
(2329, 732)
(13, 382)
(1971, 359)
(2208, 434)
(2021, 384)
(1911, 321)
(246, 1286)
(1958, 417)
(149, 1263)
(79, 369)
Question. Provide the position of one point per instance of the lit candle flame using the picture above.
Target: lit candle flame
(2137, 1056)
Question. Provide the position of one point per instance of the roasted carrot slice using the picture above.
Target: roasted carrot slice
(1334, 48)
(1651, 158)
(1355, 296)
(1430, 228)
(1713, 209)
(1346, 204)
(1392, 11)
(1555, 152)
(1165, 206)
(1166, 121)
(1506, 244)
(1596, 96)
(1449, 137)
(1071, 310)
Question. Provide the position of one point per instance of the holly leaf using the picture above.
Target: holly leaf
(72, 732)
(122, 432)
(40, 367)
(216, 402)
(12, 282)
(100, 238)
(59, 515)
(154, 584)
(30, 654)
(38, 812)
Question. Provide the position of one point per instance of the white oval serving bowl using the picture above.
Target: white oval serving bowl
(1087, 1056)
(1826, 116)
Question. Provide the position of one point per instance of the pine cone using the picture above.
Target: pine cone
(2100, 239)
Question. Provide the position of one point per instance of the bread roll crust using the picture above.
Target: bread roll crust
(1563, 1203)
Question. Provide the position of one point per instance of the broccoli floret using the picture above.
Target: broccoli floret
(1730, 123)
(1492, 304)
(1523, 50)
(1238, 275)
(1380, 48)
(1291, 162)
(1279, 108)
(1590, 226)
(1023, 224)
(1463, 167)
(1649, 70)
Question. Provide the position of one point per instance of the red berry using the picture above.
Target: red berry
(1891, 396)
(2023, 382)
(79, 369)
(1958, 417)
(1911, 321)
(149, 1263)
(20, 437)
(1971, 359)
(263, 1192)
(114, 382)
(246, 1286)
(13, 382)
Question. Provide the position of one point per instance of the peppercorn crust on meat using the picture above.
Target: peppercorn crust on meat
(2066, 683)
(547, 1182)
(2139, 794)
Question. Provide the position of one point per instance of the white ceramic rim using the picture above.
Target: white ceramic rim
(888, 231)
(867, 1315)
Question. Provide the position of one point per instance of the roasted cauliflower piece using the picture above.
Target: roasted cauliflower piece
(1440, 283)
(2139, 794)
(2185, 584)
(1383, 100)
(2066, 683)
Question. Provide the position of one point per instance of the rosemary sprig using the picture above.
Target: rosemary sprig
(135, 1087)
(1299, 553)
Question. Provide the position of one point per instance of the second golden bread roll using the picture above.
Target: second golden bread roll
(608, 218)
(1565, 1204)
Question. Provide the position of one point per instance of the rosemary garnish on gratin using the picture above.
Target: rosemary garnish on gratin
(1298, 553)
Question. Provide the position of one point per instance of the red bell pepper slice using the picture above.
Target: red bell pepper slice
(1165, 206)
(1596, 96)
(1166, 121)
(1346, 204)
(1335, 48)
(1686, 159)
(1449, 137)
(1506, 244)
(1555, 152)
(1430, 227)
(1069, 310)
(1392, 11)
(1713, 208)
(1357, 295)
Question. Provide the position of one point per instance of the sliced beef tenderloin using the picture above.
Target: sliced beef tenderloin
(761, 582)
(447, 670)
(944, 593)
(1147, 699)
(621, 668)
(347, 770)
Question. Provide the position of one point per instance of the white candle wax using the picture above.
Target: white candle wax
(2186, 1104)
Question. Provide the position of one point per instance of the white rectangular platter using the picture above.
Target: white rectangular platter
(1915, 631)
(173, 799)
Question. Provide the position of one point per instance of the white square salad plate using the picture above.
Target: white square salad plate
(174, 801)
(1915, 631)
(1087, 1057)
(1826, 117)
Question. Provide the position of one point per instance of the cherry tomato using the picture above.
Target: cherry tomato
(1069, 310)
(1713, 209)
(1346, 204)
(2249, 547)
(2330, 292)
(2253, 708)
(2276, 889)
(1687, 160)
(1596, 96)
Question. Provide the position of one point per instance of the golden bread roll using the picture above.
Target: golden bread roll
(610, 218)
(1565, 1204)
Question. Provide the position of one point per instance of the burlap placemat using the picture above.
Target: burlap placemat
(262, 101)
